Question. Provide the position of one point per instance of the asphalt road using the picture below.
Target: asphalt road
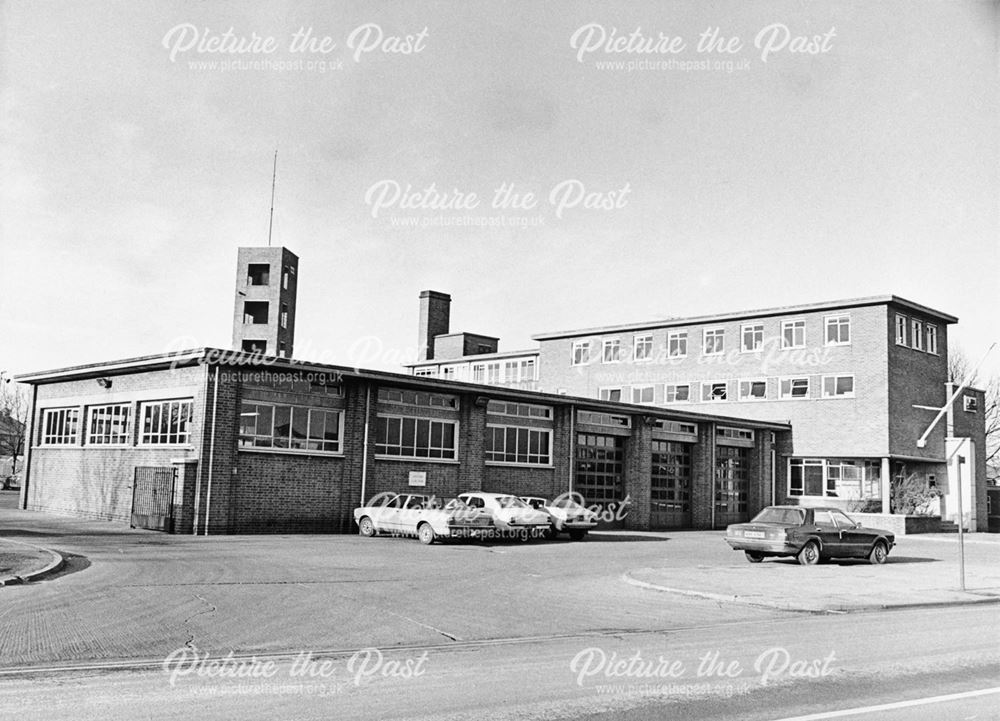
(519, 631)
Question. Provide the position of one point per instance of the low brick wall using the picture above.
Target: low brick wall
(900, 525)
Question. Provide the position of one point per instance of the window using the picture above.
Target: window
(835, 478)
(930, 331)
(752, 337)
(266, 425)
(284, 277)
(258, 274)
(677, 344)
(284, 315)
(603, 419)
(714, 391)
(581, 353)
(805, 477)
(523, 410)
(714, 341)
(793, 388)
(916, 334)
(741, 434)
(793, 334)
(255, 312)
(838, 329)
(166, 423)
(610, 394)
(448, 373)
(677, 393)
(688, 429)
(838, 386)
(528, 369)
(612, 351)
(642, 394)
(109, 424)
(900, 329)
(478, 372)
(59, 426)
(493, 373)
(508, 444)
(409, 437)
(642, 347)
(417, 398)
(753, 390)
(970, 403)
(428, 372)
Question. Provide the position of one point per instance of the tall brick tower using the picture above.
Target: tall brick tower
(264, 315)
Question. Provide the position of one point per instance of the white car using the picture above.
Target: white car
(426, 517)
(567, 514)
(510, 514)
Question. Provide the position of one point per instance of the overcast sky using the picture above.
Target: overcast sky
(132, 169)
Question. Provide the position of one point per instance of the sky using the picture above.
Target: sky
(815, 151)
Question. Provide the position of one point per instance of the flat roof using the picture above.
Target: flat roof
(759, 313)
(252, 361)
(473, 357)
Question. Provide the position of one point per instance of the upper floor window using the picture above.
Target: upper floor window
(581, 352)
(916, 334)
(900, 329)
(60, 426)
(752, 337)
(166, 423)
(258, 274)
(838, 330)
(714, 341)
(417, 398)
(970, 403)
(793, 334)
(642, 394)
(643, 347)
(524, 410)
(838, 386)
(109, 424)
(930, 333)
(793, 388)
(677, 343)
(689, 429)
(493, 373)
(714, 391)
(677, 393)
(603, 419)
(612, 351)
(753, 390)
(429, 371)
(610, 394)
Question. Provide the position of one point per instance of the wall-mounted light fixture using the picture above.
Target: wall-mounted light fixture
(104, 382)
(482, 401)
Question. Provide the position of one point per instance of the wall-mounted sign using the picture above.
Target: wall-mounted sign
(418, 478)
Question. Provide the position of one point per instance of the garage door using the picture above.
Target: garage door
(670, 485)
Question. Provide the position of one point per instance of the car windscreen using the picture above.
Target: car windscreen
(511, 502)
(788, 516)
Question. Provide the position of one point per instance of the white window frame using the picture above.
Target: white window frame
(515, 409)
(145, 437)
(384, 455)
(837, 320)
(836, 377)
(793, 324)
(604, 391)
(539, 463)
(931, 345)
(645, 387)
(680, 337)
(646, 342)
(581, 353)
(749, 383)
(916, 334)
(66, 416)
(782, 396)
(96, 438)
(253, 445)
(902, 326)
(675, 386)
(615, 345)
(717, 333)
(757, 336)
(711, 398)
(970, 404)
(426, 372)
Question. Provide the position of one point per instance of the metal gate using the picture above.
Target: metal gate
(670, 485)
(153, 498)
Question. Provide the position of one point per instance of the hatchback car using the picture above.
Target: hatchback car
(808, 534)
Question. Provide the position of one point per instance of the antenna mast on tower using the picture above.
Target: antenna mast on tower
(274, 177)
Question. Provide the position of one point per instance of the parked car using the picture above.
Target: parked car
(567, 514)
(809, 534)
(426, 517)
(510, 514)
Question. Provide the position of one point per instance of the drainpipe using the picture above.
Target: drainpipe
(29, 434)
(364, 453)
(572, 445)
(712, 471)
(211, 450)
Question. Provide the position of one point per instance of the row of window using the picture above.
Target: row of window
(916, 334)
(518, 370)
(272, 425)
(837, 332)
(754, 389)
(835, 478)
(161, 423)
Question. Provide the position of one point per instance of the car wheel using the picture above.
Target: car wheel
(426, 534)
(879, 553)
(577, 534)
(809, 555)
(366, 528)
(754, 556)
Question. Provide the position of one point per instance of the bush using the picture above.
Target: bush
(912, 497)
(865, 505)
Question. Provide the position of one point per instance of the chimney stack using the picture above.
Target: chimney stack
(435, 312)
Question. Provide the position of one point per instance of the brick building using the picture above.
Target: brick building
(250, 444)
(859, 380)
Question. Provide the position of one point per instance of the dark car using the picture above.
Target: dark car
(809, 534)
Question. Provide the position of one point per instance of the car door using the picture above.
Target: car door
(387, 517)
(829, 533)
(856, 540)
